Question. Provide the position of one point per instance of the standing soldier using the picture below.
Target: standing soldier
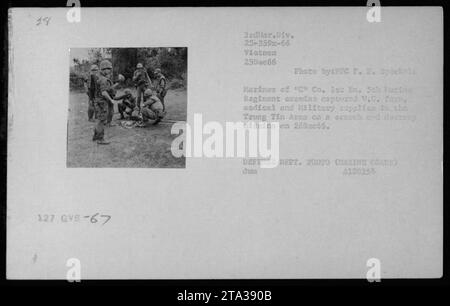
(141, 81)
(160, 86)
(90, 82)
(103, 96)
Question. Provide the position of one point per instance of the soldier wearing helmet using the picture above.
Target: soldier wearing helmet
(104, 92)
(152, 108)
(120, 78)
(160, 86)
(147, 94)
(141, 81)
(127, 105)
(90, 82)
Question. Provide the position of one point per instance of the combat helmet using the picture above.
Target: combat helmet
(105, 64)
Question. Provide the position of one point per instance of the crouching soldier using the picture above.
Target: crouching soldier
(127, 105)
(151, 109)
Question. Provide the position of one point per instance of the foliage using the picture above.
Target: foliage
(171, 61)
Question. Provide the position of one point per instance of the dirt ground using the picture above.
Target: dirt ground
(147, 147)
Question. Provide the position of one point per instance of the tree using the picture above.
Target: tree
(95, 56)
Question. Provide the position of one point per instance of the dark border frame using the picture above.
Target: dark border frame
(287, 287)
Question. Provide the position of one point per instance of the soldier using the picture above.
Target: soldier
(90, 90)
(152, 108)
(160, 86)
(104, 91)
(141, 81)
(110, 115)
(127, 105)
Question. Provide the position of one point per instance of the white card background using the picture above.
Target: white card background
(209, 220)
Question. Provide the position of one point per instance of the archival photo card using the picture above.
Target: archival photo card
(225, 143)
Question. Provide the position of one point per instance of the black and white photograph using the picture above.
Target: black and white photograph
(122, 104)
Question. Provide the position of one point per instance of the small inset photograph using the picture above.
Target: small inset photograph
(122, 105)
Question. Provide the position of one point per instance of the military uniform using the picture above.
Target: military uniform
(102, 105)
(140, 79)
(127, 105)
(160, 87)
(90, 82)
(152, 109)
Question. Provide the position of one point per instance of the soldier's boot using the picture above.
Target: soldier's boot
(159, 116)
(102, 142)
